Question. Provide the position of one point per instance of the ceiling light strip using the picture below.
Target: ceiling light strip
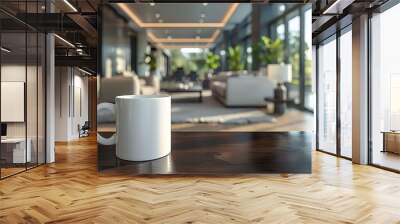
(182, 25)
(183, 40)
(212, 39)
(229, 13)
(215, 35)
(184, 46)
(70, 6)
(64, 40)
(125, 8)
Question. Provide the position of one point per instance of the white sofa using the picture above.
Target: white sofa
(242, 90)
(129, 84)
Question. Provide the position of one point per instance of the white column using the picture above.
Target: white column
(360, 90)
(141, 51)
(50, 99)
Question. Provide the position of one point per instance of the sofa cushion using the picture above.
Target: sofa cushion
(219, 88)
(117, 86)
(148, 90)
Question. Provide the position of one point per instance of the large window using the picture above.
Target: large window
(346, 92)
(309, 94)
(385, 89)
(294, 27)
(327, 96)
(294, 54)
(334, 60)
(280, 31)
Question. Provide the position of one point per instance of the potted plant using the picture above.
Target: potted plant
(235, 59)
(272, 51)
(151, 61)
(270, 55)
(212, 62)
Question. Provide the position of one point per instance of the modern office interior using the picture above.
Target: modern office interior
(206, 69)
(228, 112)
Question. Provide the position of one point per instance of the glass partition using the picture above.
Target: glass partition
(22, 77)
(31, 99)
(327, 96)
(13, 94)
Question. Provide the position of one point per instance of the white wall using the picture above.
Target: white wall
(34, 125)
(71, 87)
(16, 73)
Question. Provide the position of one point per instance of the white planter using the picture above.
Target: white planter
(143, 127)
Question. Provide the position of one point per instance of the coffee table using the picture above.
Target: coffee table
(198, 90)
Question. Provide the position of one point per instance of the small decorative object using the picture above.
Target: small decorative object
(143, 127)
(282, 74)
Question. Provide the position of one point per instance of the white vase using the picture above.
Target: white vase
(143, 127)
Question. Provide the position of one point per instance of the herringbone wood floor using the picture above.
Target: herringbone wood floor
(72, 191)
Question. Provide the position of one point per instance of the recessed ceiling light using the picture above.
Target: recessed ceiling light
(157, 15)
(205, 4)
(202, 15)
(152, 4)
(282, 8)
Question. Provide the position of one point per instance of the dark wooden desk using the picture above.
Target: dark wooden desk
(219, 153)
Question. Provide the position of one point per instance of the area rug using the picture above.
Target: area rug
(211, 111)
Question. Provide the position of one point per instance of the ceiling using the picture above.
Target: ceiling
(180, 12)
(171, 25)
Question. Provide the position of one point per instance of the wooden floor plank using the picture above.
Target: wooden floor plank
(72, 191)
